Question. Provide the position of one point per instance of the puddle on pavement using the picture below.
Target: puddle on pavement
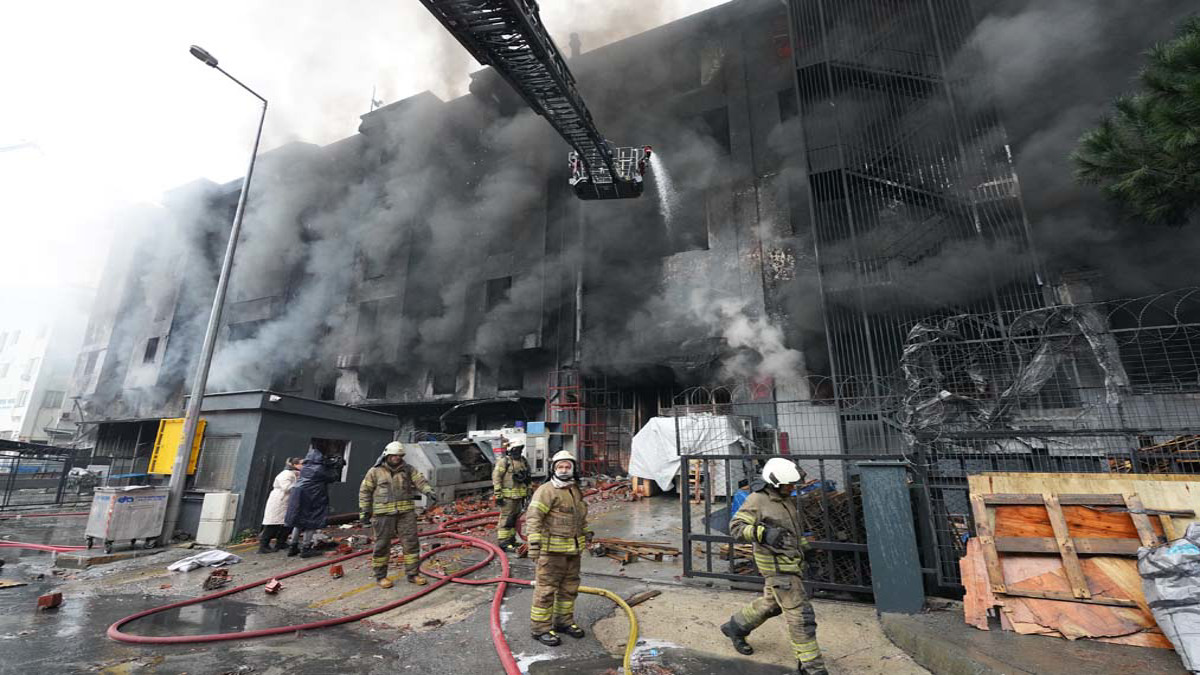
(674, 661)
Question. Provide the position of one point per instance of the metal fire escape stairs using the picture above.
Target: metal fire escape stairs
(509, 36)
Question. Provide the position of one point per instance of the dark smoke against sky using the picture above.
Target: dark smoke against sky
(1056, 66)
(119, 112)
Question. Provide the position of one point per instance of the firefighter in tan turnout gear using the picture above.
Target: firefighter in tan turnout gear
(557, 530)
(770, 521)
(386, 494)
(510, 483)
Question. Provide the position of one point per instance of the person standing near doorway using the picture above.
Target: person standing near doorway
(308, 505)
(275, 514)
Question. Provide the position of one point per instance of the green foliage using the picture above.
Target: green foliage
(1146, 156)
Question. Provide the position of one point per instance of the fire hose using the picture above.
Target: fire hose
(448, 530)
(47, 514)
(49, 548)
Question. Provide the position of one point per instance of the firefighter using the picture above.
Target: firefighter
(770, 521)
(387, 494)
(510, 483)
(557, 530)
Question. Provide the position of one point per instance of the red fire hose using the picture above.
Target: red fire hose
(50, 548)
(6, 516)
(447, 529)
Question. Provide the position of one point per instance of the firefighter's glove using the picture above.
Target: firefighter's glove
(588, 537)
(430, 500)
(774, 536)
(499, 501)
(364, 518)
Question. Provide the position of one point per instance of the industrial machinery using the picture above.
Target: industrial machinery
(509, 36)
(126, 514)
(541, 440)
(454, 468)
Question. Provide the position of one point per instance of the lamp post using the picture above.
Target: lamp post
(192, 418)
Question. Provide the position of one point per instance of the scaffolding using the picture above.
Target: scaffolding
(582, 407)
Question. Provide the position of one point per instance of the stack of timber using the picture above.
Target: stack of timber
(626, 551)
(1055, 554)
(1180, 455)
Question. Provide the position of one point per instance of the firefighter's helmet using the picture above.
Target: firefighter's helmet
(779, 471)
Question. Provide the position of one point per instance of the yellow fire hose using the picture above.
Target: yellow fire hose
(631, 643)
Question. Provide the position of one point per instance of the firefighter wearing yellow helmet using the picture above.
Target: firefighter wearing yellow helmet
(387, 494)
(557, 530)
(770, 521)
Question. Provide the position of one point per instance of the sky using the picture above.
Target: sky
(105, 108)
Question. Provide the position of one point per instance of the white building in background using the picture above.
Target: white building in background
(39, 346)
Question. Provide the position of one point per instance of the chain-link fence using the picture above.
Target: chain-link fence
(1090, 387)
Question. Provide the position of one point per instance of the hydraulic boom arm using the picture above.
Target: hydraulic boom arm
(509, 36)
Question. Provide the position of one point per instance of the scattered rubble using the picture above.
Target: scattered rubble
(217, 579)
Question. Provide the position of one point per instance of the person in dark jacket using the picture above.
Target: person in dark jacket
(308, 505)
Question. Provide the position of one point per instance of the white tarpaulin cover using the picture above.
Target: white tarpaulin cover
(655, 454)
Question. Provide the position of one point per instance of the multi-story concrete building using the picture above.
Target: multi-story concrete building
(829, 174)
(439, 258)
(38, 347)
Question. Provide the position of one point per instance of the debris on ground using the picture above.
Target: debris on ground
(217, 579)
(50, 601)
(12, 584)
(626, 551)
(214, 558)
(337, 572)
(273, 586)
(639, 598)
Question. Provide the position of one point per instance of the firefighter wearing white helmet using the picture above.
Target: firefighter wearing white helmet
(387, 494)
(557, 530)
(770, 521)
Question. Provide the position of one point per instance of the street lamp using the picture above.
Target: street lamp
(192, 418)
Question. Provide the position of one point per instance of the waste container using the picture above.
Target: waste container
(126, 514)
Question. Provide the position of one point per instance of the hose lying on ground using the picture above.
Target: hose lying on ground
(49, 548)
(448, 530)
(45, 514)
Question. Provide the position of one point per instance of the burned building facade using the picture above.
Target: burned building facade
(438, 258)
(829, 177)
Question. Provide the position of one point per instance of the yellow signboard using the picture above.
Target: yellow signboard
(166, 445)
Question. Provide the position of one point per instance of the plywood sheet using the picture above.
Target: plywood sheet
(1156, 492)
(978, 598)
(1084, 522)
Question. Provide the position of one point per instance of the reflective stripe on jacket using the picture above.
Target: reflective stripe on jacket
(556, 520)
(503, 482)
(385, 490)
(769, 508)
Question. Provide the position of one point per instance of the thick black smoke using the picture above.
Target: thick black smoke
(1054, 68)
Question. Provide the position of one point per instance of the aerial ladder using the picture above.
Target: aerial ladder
(509, 36)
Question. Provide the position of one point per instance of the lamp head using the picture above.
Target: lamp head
(200, 53)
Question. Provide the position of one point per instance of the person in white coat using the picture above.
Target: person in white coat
(276, 512)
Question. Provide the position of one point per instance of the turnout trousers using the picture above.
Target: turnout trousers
(784, 594)
(510, 511)
(395, 525)
(554, 593)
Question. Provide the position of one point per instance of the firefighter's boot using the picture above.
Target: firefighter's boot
(737, 636)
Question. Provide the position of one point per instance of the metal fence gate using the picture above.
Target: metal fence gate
(39, 476)
(724, 444)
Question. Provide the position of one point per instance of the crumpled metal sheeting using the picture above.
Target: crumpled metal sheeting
(1058, 332)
